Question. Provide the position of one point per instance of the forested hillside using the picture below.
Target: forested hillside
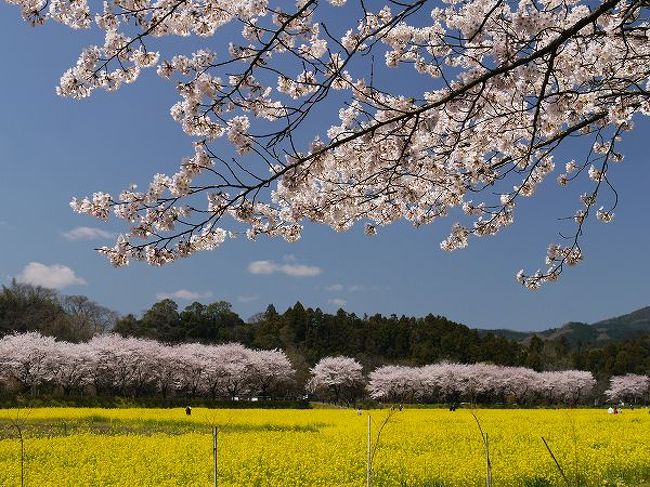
(620, 328)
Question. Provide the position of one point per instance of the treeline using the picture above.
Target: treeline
(25, 308)
(307, 334)
(313, 334)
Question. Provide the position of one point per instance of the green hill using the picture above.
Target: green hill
(615, 329)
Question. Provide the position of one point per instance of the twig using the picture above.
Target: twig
(372, 449)
(556, 462)
(486, 447)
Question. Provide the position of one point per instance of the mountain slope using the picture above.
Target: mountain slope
(613, 329)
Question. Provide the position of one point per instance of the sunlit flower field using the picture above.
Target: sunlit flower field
(323, 447)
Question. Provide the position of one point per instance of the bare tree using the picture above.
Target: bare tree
(88, 317)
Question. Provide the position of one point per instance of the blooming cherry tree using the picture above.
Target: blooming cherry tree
(28, 359)
(270, 371)
(165, 373)
(339, 376)
(193, 359)
(121, 365)
(394, 384)
(520, 383)
(230, 367)
(495, 88)
(74, 366)
(628, 387)
(567, 386)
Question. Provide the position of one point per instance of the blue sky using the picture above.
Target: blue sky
(52, 149)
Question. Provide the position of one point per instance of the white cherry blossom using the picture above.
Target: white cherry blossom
(318, 134)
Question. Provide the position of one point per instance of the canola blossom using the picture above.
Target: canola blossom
(323, 447)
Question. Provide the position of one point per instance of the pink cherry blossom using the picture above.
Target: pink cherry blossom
(508, 83)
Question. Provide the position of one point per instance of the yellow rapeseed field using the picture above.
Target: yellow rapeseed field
(323, 447)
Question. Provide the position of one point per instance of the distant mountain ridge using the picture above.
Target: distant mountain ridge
(615, 329)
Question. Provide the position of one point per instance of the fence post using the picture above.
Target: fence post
(19, 429)
(369, 462)
(215, 454)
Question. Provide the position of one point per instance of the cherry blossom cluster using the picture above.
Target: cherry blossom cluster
(113, 364)
(339, 376)
(509, 82)
(478, 383)
(629, 387)
(446, 381)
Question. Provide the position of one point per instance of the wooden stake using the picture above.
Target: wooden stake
(215, 454)
(369, 462)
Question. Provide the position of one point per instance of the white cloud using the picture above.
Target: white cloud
(185, 295)
(246, 299)
(87, 233)
(54, 276)
(334, 288)
(300, 270)
(293, 270)
(338, 302)
(262, 267)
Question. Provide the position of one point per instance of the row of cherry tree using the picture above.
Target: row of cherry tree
(342, 378)
(114, 365)
(480, 383)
